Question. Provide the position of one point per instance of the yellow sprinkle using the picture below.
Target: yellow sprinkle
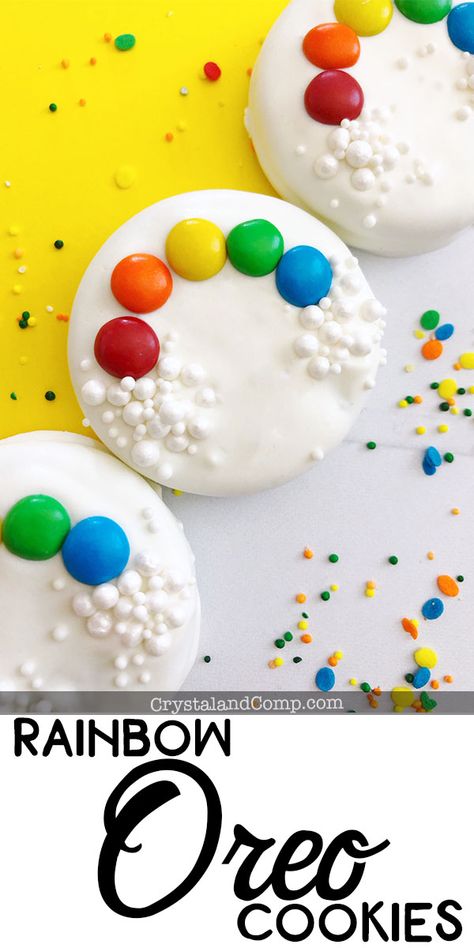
(334, 587)
(16, 289)
(420, 430)
(430, 556)
(455, 511)
(339, 655)
(447, 388)
(125, 176)
(278, 662)
(23, 360)
(32, 321)
(443, 429)
(176, 492)
(302, 625)
(370, 593)
(352, 681)
(467, 360)
(419, 334)
(454, 410)
(471, 390)
(403, 404)
(13, 230)
(181, 126)
(409, 367)
(416, 622)
(425, 657)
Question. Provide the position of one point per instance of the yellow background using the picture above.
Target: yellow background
(61, 166)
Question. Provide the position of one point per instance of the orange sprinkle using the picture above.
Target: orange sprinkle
(62, 318)
(457, 366)
(82, 101)
(377, 691)
(271, 663)
(307, 553)
(249, 71)
(93, 61)
(417, 705)
(451, 401)
(371, 584)
(430, 555)
(448, 679)
(18, 253)
(418, 399)
(65, 63)
(435, 684)
(307, 638)
(410, 627)
(373, 703)
(107, 37)
(332, 661)
(300, 597)
(169, 136)
(432, 349)
(448, 586)
(455, 511)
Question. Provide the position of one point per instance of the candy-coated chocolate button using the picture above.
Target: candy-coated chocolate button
(332, 46)
(424, 11)
(36, 527)
(366, 17)
(96, 551)
(196, 249)
(332, 96)
(255, 247)
(461, 27)
(303, 276)
(141, 282)
(127, 346)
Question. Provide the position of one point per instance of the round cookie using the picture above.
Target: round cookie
(370, 124)
(97, 579)
(268, 343)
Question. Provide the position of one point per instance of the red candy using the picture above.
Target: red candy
(127, 346)
(332, 96)
(332, 46)
(141, 282)
(212, 71)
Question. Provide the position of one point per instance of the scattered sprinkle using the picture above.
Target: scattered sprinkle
(212, 71)
(125, 42)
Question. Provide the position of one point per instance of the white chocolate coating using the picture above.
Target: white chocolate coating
(416, 191)
(50, 622)
(249, 390)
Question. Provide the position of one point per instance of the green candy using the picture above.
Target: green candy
(424, 11)
(124, 42)
(255, 247)
(430, 319)
(36, 527)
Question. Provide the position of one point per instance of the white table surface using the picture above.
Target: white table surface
(363, 505)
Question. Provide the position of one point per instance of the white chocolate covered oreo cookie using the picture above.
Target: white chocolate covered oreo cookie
(362, 112)
(97, 580)
(222, 342)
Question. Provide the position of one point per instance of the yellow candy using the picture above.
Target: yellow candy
(467, 360)
(421, 430)
(403, 404)
(196, 249)
(278, 662)
(125, 176)
(425, 657)
(352, 681)
(443, 429)
(302, 625)
(365, 17)
(447, 388)
(403, 697)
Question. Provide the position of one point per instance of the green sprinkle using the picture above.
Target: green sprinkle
(53, 107)
(288, 636)
(325, 596)
(430, 319)
(333, 558)
(393, 560)
(50, 396)
(409, 679)
(461, 391)
(305, 615)
(26, 315)
(371, 445)
(13, 396)
(449, 457)
(467, 412)
(428, 703)
(297, 659)
(444, 406)
(365, 687)
(434, 385)
(409, 399)
(23, 324)
(207, 659)
(124, 42)
(279, 643)
(460, 579)
(59, 244)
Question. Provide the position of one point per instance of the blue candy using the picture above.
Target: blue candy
(95, 551)
(325, 679)
(303, 276)
(461, 27)
(444, 332)
(432, 609)
(421, 678)
(433, 457)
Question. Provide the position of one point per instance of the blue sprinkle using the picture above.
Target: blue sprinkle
(444, 332)
(432, 609)
(303, 276)
(428, 468)
(325, 679)
(461, 27)
(433, 457)
(421, 678)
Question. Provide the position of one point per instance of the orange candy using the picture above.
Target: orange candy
(448, 586)
(141, 283)
(332, 661)
(307, 638)
(432, 349)
(300, 597)
(332, 46)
